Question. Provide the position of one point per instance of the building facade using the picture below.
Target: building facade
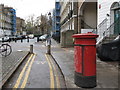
(20, 26)
(53, 22)
(108, 18)
(67, 23)
(56, 21)
(87, 16)
(76, 17)
(7, 20)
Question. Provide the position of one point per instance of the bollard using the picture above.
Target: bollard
(49, 49)
(31, 49)
(48, 44)
(27, 39)
(2, 39)
(15, 40)
(85, 60)
(21, 40)
(37, 39)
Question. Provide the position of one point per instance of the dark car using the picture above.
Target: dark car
(23, 37)
(109, 51)
(12, 38)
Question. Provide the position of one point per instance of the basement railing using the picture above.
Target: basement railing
(111, 32)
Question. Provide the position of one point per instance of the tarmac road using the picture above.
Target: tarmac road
(38, 70)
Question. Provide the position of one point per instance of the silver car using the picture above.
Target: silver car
(43, 37)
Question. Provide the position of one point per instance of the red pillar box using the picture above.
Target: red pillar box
(85, 59)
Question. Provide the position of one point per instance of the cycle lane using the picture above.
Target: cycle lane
(44, 72)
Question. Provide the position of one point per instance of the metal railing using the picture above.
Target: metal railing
(110, 30)
(108, 34)
(101, 28)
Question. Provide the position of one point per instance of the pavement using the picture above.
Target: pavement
(10, 63)
(107, 72)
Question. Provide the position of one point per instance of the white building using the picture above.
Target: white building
(78, 16)
(108, 14)
(67, 23)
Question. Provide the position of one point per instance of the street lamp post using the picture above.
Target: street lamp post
(49, 38)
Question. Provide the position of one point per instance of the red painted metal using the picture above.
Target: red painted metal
(85, 53)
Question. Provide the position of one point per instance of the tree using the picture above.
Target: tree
(40, 25)
(44, 23)
(30, 24)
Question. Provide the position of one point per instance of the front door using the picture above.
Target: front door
(117, 21)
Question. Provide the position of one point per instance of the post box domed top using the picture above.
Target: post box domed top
(85, 35)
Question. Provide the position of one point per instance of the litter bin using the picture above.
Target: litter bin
(85, 59)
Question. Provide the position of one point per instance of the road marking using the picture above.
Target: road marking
(27, 73)
(65, 49)
(21, 74)
(56, 76)
(51, 73)
(43, 62)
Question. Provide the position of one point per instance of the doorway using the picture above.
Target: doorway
(117, 21)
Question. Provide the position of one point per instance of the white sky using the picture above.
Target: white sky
(26, 8)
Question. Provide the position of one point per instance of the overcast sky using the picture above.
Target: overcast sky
(26, 8)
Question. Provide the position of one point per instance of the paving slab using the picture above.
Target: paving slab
(10, 64)
(107, 73)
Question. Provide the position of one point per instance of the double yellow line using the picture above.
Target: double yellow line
(53, 72)
(30, 62)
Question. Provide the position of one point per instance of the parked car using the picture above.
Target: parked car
(31, 36)
(0, 39)
(109, 51)
(12, 38)
(4, 39)
(43, 37)
(19, 37)
(23, 37)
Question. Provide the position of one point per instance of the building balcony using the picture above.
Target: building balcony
(57, 9)
(57, 22)
(57, 13)
(57, 16)
(9, 22)
(58, 28)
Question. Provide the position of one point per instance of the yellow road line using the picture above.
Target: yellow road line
(56, 76)
(51, 74)
(21, 74)
(27, 73)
